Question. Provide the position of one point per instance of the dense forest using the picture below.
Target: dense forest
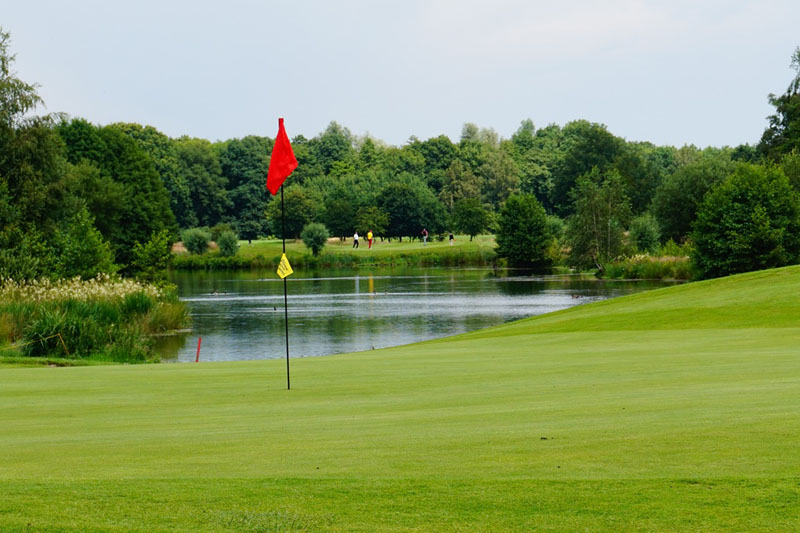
(78, 198)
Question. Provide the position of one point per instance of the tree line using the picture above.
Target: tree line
(78, 198)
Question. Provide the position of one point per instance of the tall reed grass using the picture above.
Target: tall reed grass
(648, 267)
(107, 319)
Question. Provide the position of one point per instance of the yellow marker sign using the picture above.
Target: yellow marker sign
(284, 268)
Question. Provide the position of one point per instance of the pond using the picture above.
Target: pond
(240, 315)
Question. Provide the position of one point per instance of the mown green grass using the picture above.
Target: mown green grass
(669, 410)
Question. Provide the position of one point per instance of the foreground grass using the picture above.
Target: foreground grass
(669, 410)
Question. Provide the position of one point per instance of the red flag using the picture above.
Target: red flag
(282, 162)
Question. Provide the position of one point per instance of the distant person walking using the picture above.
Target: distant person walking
(355, 240)
(452, 239)
(424, 236)
(369, 240)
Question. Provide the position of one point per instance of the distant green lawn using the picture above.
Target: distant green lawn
(273, 247)
(676, 409)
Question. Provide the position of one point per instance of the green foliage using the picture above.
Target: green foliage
(196, 240)
(16, 96)
(218, 229)
(228, 243)
(299, 209)
(470, 217)
(152, 259)
(411, 206)
(340, 216)
(244, 164)
(145, 204)
(601, 211)
(676, 200)
(790, 164)
(100, 319)
(373, 219)
(749, 222)
(646, 267)
(645, 234)
(315, 236)
(83, 252)
(783, 134)
(589, 146)
(523, 237)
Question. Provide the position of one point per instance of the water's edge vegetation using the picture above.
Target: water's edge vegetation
(104, 319)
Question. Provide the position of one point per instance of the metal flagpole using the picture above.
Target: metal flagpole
(285, 296)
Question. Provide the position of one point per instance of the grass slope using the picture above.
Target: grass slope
(669, 410)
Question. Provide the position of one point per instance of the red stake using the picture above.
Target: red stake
(199, 341)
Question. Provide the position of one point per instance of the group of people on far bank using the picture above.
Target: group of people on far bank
(370, 238)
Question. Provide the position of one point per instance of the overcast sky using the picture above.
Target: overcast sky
(670, 72)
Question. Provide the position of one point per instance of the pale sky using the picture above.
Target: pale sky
(669, 72)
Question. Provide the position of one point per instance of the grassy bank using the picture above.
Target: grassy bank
(669, 410)
(72, 321)
(267, 253)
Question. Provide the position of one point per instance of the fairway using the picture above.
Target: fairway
(675, 409)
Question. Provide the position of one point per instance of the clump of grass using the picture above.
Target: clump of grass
(104, 319)
(647, 267)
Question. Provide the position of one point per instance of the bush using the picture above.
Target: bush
(645, 233)
(523, 236)
(153, 258)
(749, 222)
(228, 243)
(196, 240)
(218, 229)
(100, 319)
(315, 236)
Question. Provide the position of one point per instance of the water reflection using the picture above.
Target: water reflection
(240, 315)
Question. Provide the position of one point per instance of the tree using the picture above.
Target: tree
(411, 206)
(333, 145)
(196, 240)
(163, 151)
(16, 96)
(228, 243)
(244, 163)
(470, 217)
(202, 172)
(500, 177)
(83, 252)
(459, 183)
(300, 209)
(644, 233)
(153, 258)
(372, 218)
(749, 222)
(523, 237)
(146, 207)
(783, 133)
(315, 236)
(589, 145)
(601, 211)
(790, 164)
(676, 200)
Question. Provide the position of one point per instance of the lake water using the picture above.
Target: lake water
(240, 315)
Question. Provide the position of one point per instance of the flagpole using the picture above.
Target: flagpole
(285, 296)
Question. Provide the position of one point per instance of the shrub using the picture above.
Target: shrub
(104, 318)
(523, 236)
(645, 234)
(153, 258)
(196, 240)
(314, 236)
(218, 229)
(749, 222)
(228, 243)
